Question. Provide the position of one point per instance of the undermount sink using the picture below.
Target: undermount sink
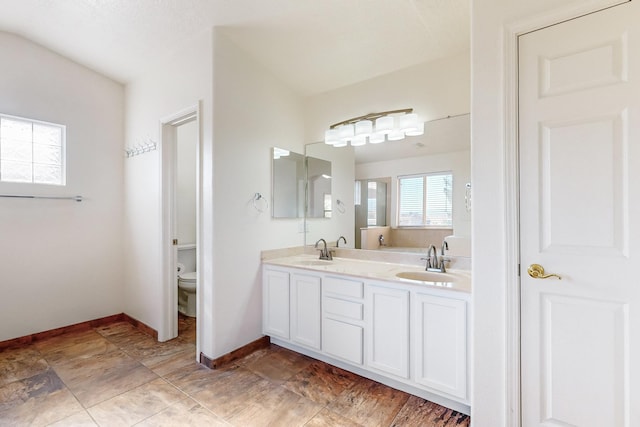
(427, 276)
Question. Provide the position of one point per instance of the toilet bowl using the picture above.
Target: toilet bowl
(187, 294)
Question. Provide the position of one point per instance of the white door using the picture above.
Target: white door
(580, 219)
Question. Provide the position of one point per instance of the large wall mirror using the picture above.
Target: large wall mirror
(444, 147)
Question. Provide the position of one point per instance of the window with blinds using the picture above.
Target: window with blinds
(425, 200)
(31, 151)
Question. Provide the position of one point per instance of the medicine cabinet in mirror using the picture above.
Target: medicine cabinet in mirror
(287, 184)
(300, 182)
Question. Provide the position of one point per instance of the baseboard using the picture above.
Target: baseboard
(235, 354)
(79, 327)
(141, 326)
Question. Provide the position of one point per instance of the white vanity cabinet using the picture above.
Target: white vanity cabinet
(305, 310)
(343, 319)
(291, 306)
(440, 343)
(409, 336)
(387, 329)
(275, 303)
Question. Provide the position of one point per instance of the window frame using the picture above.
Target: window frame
(425, 176)
(63, 152)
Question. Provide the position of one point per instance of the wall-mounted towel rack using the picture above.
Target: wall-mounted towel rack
(22, 196)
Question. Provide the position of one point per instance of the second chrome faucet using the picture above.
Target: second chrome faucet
(433, 263)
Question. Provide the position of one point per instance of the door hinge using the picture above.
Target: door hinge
(518, 270)
(175, 242)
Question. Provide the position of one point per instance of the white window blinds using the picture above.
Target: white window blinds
(425, 200)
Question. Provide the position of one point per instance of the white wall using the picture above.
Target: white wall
(187, 145)
(490, 22)
(61, 261)
(457, 162)
(182, 80)
(253, 113)
(433, 89)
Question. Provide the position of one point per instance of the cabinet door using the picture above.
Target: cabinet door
(342, 340)
(440, 360)
(275, 303)
(305, 310)
(387, 329)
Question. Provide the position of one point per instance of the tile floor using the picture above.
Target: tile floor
(118, 376)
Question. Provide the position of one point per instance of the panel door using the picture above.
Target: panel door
(387, 329)
(305, 310)
(580, 219)
(440, 344)
(275, 303)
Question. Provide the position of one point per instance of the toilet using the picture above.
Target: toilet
(187, 293)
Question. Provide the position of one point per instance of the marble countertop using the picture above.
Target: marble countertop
(455, 280)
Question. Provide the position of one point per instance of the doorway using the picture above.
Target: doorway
(181, 236)
(372, 205)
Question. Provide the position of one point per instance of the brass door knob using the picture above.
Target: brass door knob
(537, 272)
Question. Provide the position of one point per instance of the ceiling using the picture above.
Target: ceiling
(312, 45)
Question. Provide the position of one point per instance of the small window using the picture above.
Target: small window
(31, 151)
(425, 200)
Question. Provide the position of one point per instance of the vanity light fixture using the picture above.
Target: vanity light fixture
(375, 128)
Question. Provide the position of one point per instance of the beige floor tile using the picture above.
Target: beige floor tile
(275, 406)
(369, 403)
(326, 418)
(196, 377)
(165, 365)
(103, 376)
(418, 412)
(154, 353)
(279, 365)
(36, 401)
(229, 393)
(321, 382)
(186, 413)
(135, 405)
(20, 363)
(81, 419)
(77, 346)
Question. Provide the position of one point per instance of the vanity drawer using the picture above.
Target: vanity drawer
(342, 308)
(342, 340)
(343, 287)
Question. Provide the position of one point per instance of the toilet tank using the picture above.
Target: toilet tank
(187, 257)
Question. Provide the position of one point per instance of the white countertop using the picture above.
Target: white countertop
(460, 279)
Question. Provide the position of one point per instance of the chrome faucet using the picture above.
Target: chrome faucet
(324, 253)
(338, 241)
(432, 260)
(445, 246)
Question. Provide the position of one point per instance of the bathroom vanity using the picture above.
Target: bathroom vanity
(408, 333)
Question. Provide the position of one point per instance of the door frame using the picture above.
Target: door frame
(512, 32)
(168, 172)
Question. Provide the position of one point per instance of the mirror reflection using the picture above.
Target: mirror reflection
(319, 188)
(366, 179)
(287, 186)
